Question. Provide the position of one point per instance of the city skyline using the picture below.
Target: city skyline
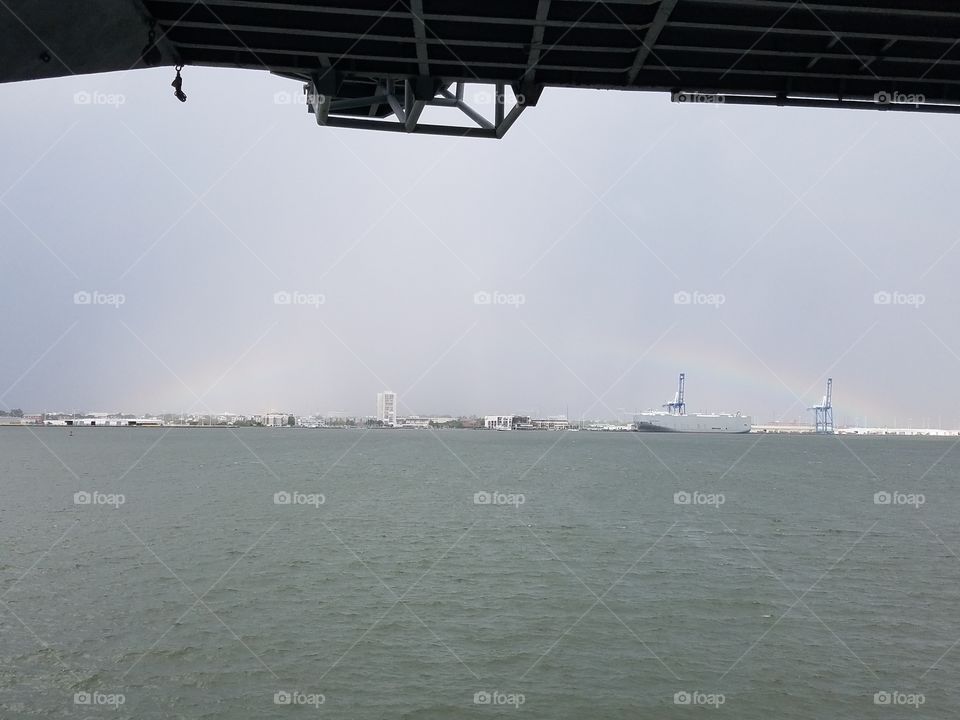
(805, 418)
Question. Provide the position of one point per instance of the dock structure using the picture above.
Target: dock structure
(379, 64)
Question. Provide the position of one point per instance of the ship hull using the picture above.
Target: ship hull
(722, 424)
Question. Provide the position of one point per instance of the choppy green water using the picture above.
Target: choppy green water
(400, 597)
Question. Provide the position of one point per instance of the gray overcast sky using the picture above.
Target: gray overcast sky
(597, 208)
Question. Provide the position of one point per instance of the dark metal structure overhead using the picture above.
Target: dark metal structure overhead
(378, 63)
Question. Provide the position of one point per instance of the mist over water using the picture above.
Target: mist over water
(234, 574)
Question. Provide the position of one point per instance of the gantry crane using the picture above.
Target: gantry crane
(677, 407)
(823, 413)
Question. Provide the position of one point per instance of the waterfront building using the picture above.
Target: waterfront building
(387, 407)
(550, 424)
(506, 422)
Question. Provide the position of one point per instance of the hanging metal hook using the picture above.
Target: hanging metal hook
(177, 85)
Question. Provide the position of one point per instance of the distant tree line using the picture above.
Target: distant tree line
(16, 412)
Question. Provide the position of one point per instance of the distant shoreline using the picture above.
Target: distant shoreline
(761, 430)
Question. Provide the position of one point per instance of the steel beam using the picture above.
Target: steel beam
(536, 40)
(850, 104)
(448, 130)
(653, 34)
(420, 33)
(430, 41)
(822, 7)
(467, 110)
(757, 31)
(509, 120)
(454, 17)
(338, 106)
(500, 89)
(397, 108)
(394, 59)
(881, 82)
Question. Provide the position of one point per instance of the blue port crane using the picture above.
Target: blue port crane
(823, 413)
(677, 407)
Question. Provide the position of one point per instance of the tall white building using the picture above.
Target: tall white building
(387, 407)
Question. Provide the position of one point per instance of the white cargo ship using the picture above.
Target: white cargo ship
(676, 419)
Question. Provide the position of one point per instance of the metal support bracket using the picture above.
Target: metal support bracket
(407, 99)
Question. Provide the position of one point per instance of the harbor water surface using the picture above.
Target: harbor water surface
(252, 573)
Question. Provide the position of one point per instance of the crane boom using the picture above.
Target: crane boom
(678, 406)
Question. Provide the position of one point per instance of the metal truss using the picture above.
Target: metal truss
(378, 63)
(396, 105)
